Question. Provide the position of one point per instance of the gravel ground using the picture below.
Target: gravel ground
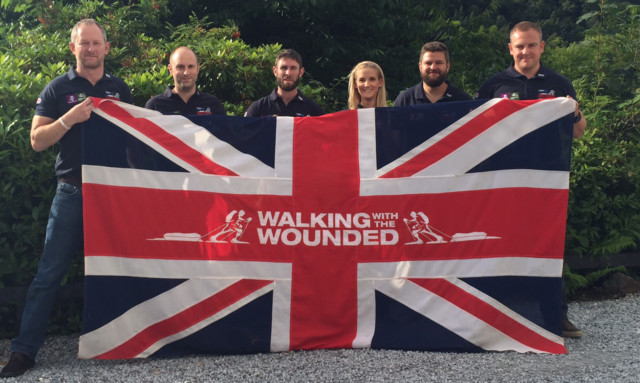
(609, 352)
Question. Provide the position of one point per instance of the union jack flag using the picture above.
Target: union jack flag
(433, 227)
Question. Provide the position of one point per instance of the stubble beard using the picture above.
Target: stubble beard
(91, 64)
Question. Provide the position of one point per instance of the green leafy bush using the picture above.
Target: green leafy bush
(604, 204)
(236, 72)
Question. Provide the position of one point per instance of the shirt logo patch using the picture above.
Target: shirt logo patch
(510, 96)
(201, 110)
(544, 93)
(72, 99)
(112, 95)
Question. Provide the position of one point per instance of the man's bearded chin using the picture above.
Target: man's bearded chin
(287, 88)
(434, 81)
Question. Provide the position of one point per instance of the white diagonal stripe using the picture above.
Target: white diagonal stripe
(489, 142)
(147, 313)
(437, 137)
(204, 323)
(441, 311)
(194, 136)
(500, 135)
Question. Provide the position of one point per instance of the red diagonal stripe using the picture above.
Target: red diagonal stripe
(490, 315)
(459, 137)
(182, 321)
(167, 140)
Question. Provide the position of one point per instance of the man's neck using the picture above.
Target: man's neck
(287, 96)
(92, 75)
(529, 73)
(434, 93)
(185, 95)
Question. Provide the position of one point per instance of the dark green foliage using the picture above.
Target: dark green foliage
(27, 178)
(575, 281)
(604, 205)
(595, 43)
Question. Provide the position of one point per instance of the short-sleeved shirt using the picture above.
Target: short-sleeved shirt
(62, 94)
(415, 95)
(272, 105)
(515, 86)
(171, 103)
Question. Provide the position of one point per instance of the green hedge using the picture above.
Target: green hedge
(604, 206)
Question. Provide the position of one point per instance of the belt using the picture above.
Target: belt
(71, 181)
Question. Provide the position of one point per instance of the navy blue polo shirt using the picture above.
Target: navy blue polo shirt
(515, 86)
(62, 94)
(272, 105)
(415, 95)
(171, 103)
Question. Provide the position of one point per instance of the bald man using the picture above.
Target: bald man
(183, 97)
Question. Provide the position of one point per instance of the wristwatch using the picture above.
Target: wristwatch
(578, 117)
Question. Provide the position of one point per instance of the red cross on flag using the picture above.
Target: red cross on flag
(437, 227)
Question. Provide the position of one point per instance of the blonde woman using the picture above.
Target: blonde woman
(366, 86)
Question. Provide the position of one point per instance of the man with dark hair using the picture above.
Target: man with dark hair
(434, 67)
(62, 111)
(286, 99)
(528, 79)
(183, 97)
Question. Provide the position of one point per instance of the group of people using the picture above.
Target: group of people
(65, 105)
(526, 79)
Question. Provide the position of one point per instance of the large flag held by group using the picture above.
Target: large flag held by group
(432, 227)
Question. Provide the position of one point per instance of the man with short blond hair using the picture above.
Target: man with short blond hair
(527, 78)
(62, 111)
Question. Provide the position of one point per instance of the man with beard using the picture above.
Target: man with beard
(434, 67)
(286, 99)
(527, 78)
(62, 111)
(183, 97)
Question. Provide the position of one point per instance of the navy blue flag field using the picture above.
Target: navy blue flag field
(434, 227)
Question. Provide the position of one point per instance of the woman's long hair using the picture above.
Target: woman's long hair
(354, 95)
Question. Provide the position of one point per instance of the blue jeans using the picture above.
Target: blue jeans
(62, 241)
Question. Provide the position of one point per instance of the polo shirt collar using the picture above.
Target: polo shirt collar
(420, 95)
(542, 72)
(274, 95)
(169, 91)
(72, 74)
